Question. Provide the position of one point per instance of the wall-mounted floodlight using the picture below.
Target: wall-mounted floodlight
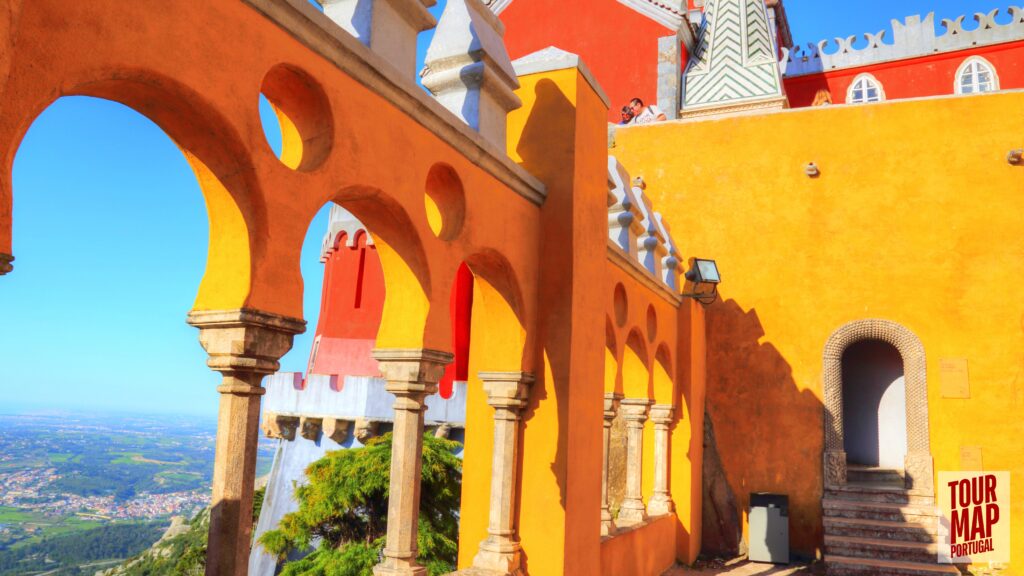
(703, 273)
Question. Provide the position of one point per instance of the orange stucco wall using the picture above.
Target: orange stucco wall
(916, 218)
(640, 551)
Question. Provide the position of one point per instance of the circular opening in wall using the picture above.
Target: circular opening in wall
(620, 304)
(445, 202)
(303, 115)
(652, 323)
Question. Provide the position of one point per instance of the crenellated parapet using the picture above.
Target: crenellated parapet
(914, 37)
(305, 405)
(341, 221)
(636, 230)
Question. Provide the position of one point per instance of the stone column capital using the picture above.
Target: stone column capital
(611, 406)
(661, 414)
(412, 372)
(507, 389)
(6, 263)
(635, 410)
(244, 340)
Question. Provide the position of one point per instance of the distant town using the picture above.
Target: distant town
(62, 474)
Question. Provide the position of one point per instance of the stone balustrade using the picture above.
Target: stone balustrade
(636, 230)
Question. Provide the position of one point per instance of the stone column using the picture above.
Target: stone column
(634, 412)
(411, 375)
(507, 393)
(661, 501)
(244, 346)
(611, 407)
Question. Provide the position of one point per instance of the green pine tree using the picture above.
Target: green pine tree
(345, 504)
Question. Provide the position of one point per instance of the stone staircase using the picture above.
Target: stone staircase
(873, 525)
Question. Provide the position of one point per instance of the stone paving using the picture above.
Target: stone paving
(739, 567)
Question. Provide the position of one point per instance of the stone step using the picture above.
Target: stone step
(899, 531)
(893, 512)
(874, 548)
(874, 475)
(844, 565)
(864, 491)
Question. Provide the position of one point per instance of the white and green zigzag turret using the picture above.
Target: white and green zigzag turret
(734, 65)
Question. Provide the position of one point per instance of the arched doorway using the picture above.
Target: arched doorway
(860, 356)
(874, 405)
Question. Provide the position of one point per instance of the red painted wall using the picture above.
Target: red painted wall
(618, 44)
(351, 304)
(932, 75)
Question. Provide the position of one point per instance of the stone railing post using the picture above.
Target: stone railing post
(388, 27)
(611, 407)
(411, 375)
(634, 412)
(661, 500)
(244, 346)
(468, 69)
(507, 393)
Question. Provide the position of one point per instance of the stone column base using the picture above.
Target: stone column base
(632, 512)
(660, 505)
(497, 558)
(391, 569)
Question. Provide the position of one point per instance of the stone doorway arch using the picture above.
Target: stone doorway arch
(918, 462)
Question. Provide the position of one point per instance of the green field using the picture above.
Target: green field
(18, 516)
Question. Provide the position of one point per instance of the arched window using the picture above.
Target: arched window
(976, 75)
(865, 88)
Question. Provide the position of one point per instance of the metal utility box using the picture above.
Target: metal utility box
(769, 528)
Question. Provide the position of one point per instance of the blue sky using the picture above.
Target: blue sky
(110, 240)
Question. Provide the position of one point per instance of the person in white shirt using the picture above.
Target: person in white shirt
(645, 114)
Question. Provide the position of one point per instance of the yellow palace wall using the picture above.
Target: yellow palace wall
(917, 217)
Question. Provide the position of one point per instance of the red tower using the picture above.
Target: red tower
(352, 301)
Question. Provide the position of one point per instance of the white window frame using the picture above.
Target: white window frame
(965, 67)
(868, 78)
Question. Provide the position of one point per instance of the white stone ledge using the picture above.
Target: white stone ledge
(634, 526)
(323, 36)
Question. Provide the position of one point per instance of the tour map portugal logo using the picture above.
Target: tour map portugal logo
(974, 517)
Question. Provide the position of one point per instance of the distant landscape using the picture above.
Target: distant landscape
(79, 493)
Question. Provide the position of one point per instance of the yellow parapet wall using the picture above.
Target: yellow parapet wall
(916, 217)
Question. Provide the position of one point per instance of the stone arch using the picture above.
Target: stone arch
(918, 463)
(214, 150)
(407, 273)
(635, 367)
(662, 376)
(612, 379)
(499, 309)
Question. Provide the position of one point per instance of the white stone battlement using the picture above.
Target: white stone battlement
(342, 221)
(911, 38)
(352, 398)
(634, 228)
